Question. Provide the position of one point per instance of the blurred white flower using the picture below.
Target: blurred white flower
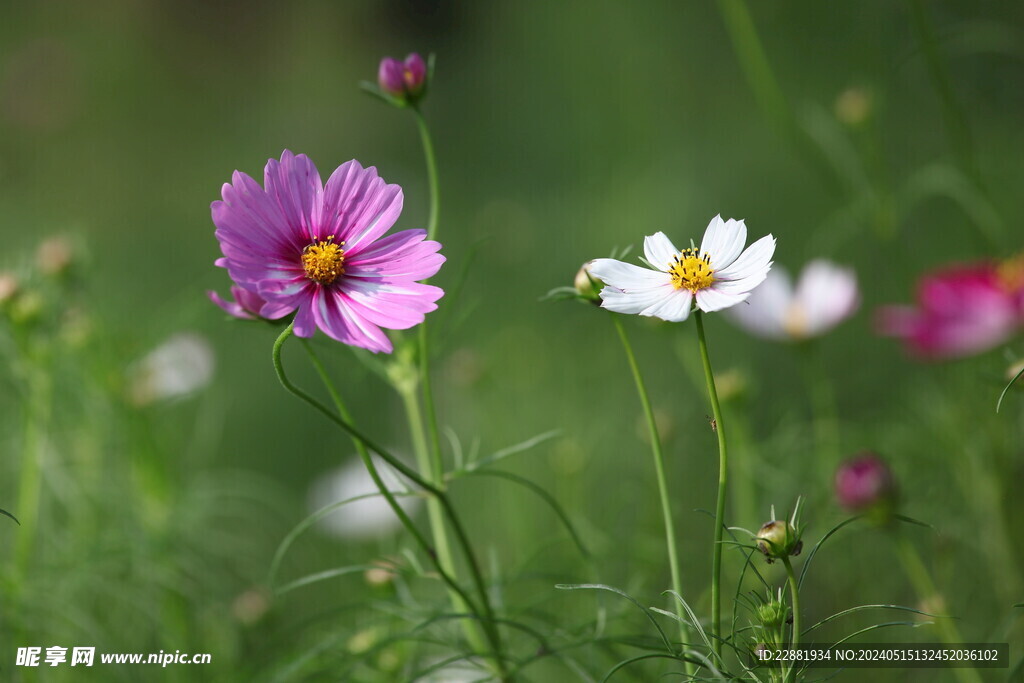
(368, 517)
(824, 296)
(179, 367)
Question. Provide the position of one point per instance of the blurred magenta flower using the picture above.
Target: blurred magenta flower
(402, 79)
(246, 304)
(863, 482)
(716, 276)
(319, 250)
(961, 310)
(825, 295)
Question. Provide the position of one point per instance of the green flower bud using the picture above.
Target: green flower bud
(772, 614)
(778, 540)
(586, 285)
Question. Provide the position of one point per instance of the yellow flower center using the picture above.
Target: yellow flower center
(1011, 273)
(691, 270)
(794, 322)
(324, 261)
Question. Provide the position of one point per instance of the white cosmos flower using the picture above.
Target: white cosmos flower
(717, 275)
(179, 367)
(825, 295)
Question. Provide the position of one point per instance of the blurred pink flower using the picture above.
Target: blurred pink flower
(863, 481)
(825, 295)
(961, 310)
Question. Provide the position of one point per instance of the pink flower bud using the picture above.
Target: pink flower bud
(865, 482)
(404, 80)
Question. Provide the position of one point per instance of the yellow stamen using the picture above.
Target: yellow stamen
(691, 270)
(1011, 273)
(323, 260)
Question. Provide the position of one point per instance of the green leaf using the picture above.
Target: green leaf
(632, 660)
(999, 403)
(612, 589)
(863, 607)
(310, 521)
(513, 450)
(545, 496)
(5, 513)
(817, 546)
(562, 294)
(323, 576)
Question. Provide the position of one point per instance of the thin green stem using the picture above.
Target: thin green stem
(419, 445)
(364, 454)
(431, 159)
(760, 77)
(659, 469)
(794, 593)
(925, 588)
(953, 116)
(428, 457)
(437, 466)
(723, 477)
(487, 615)
(824, 414)
(37, 415)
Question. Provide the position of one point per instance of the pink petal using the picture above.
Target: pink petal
(294, 184)
(358, 206)
(337, 319)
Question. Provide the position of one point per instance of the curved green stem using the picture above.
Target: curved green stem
(723, 476)
(794, 592)
(486, 615)
(925, 588)
(659, 470)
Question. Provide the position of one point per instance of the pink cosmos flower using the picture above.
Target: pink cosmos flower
(319, 250)
(961, 310)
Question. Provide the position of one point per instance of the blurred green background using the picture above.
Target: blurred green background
(882, 135)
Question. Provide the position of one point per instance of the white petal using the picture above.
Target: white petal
(743, 285)
(827, 295)
(723, 241)
(763, 313)
(674, 308)
(710, 299)
(626, 276)
(755, 260)
(635, 301)
(659, 251)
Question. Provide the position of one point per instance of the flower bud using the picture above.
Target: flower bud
(864, 483)
(54, 256)
(853, 106)
(403, 80)
(8, 287)
(772, 614)
(778, 540)
(586, 285)
(1012, 370)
